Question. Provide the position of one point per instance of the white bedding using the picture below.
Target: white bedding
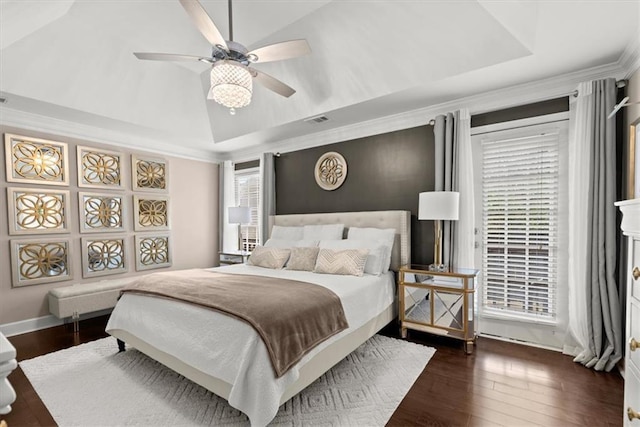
(230, 349)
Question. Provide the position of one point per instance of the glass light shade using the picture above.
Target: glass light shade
(231, 84)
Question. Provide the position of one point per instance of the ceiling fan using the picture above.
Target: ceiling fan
(621, 104)
(231, 74)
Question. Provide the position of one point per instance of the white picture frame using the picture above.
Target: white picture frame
(151, 213)
(153, 251)
(40, 261)
(103, 255)
(101, 212)
(98, 168)
(38, 211)
(36, 161)
(149, 173)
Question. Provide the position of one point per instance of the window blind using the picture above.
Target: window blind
(247, 189)
(520, 221)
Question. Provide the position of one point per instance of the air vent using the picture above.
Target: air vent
(317, 119)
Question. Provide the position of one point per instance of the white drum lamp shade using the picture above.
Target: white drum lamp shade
(239, 215)
(439, 205)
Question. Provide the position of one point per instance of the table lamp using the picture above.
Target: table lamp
(438, 206)
(239, 215)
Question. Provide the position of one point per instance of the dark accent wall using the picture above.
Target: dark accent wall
(385, 172)
(542, 108)
(247, 165)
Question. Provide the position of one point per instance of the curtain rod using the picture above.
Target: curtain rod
(619, 84)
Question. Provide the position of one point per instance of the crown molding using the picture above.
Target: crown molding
(630, 59)
(531, 92)
(64, 128)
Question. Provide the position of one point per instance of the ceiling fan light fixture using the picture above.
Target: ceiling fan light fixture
(231, 84)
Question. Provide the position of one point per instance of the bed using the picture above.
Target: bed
(229, 358)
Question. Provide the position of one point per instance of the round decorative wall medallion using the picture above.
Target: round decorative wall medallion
(330, 170)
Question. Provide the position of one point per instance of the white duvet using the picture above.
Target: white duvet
(232, 350)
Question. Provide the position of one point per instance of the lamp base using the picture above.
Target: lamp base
(438, 267)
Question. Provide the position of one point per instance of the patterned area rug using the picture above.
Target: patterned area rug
(92, 385)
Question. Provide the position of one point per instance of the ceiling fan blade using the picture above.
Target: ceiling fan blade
(204, 23)
(280, 51)
(271, 83)
(166, 56)
(618, 107)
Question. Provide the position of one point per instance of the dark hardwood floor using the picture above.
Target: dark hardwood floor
(500, 384)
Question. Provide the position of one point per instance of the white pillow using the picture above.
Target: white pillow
(347, 262)
(323, 232)
(375, 259)
(288, 243)
(287, 233)
(385, 236)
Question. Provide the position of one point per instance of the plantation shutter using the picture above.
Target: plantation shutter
(247, 186)
(520, 221)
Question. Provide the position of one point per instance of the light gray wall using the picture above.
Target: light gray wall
(193, 210)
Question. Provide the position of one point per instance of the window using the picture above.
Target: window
(247, 191)
(520, 198)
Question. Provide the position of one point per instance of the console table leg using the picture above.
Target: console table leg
(403, 333)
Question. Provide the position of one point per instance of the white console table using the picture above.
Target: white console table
(7, 365)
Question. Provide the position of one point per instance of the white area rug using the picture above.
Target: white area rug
(93, 385)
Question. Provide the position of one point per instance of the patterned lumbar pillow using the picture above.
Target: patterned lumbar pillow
(345, 262)
(303, 259)
(269, 257)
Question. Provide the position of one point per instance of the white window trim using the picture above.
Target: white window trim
(556, 329)
(255, 223)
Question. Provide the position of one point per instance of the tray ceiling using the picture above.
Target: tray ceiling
(73, 61)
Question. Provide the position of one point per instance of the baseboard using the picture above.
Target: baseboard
(530, 344)
(44, 322)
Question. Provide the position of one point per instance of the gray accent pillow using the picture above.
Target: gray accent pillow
(346, 262)
(303, 259)
(274, 258)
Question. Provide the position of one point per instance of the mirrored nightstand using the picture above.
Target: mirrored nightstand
(227, 258)
(438, 302)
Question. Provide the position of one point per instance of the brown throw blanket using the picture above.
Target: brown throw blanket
(291, 316)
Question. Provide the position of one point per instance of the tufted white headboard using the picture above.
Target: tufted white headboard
(399, 220)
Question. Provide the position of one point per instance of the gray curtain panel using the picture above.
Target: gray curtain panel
(446, 152)
(603, 303)
(268, 193)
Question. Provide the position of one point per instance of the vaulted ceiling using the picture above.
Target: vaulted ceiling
(72, 61)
